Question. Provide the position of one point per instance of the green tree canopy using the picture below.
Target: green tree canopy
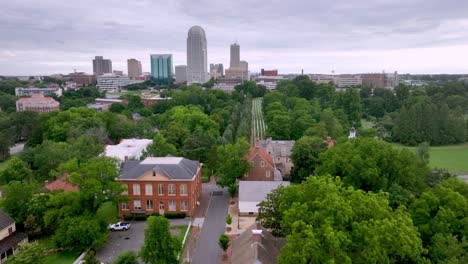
(305, 157)
(231, 162)
(159, 246)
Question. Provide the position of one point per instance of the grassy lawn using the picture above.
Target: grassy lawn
(453, 158)
(64, 257)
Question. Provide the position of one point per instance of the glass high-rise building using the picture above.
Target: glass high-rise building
(197, 56)
(161, 68)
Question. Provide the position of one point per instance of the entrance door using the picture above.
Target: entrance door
(161, 208)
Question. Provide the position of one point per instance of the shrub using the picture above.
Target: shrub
(174, 215)
(128, 217)
(141, 217)
(155, 214)
(228, 219)
(223, 242)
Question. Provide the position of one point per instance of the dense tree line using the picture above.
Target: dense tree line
(384, 205)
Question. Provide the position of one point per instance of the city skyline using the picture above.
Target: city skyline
(318, 37)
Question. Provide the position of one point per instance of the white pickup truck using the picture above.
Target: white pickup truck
(119, 226)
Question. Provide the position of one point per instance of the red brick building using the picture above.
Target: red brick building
(269, 72)
(373, 79)
(262, 167)
(161, 185)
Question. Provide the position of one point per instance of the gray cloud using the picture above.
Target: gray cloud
(348, 36)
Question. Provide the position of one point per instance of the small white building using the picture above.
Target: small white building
(251, 193)
(127, 149)
(47, 91)
(110, 82)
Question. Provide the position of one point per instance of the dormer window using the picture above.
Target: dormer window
(154, 174)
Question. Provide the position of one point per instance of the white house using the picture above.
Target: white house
(251, 193)
(127, 149)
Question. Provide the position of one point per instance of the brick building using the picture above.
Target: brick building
(160, 185)
(264, 72)
(373, 79)
(262, 167)
(37, 103)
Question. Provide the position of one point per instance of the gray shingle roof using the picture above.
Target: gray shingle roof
(172, 167)
(277, 146)
(5, 220)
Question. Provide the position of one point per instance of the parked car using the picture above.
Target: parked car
(119, 226)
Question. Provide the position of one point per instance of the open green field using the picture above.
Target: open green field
(453, 158)
(259, 127)
(64, 257)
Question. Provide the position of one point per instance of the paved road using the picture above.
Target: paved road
(208, 250)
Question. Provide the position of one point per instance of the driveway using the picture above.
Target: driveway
(132, 239)
(208, 250)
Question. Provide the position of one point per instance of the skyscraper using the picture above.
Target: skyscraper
(101, 65)
(134, 68)
(196, 56)
(180, 73)
(161, 68)
(235, 55)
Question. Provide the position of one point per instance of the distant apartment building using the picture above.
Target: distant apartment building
(268, 81)
(264, 72)
(82, 79)
(227, 84)
(180, 73)
(111, 82)
(134, 68)
(347, 80)
(37, 103)
(216, 70)
(160, 185)
(161, 68)
(21, 91)
(380, 80)
(101, 65)
(322, 78)
(236, 72)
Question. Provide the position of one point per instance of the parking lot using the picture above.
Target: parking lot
(132, 239)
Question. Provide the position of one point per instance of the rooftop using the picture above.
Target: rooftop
(127, 149)
(260, 152)
(61, 184)
(175, 168)
(5, 220)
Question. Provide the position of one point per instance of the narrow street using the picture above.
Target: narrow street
(208, 250)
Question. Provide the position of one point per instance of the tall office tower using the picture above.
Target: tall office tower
(196, 56)
(235, 55)
(101, 65)
(180, 73)
(245, 69)
(134, 68)
(161, 68)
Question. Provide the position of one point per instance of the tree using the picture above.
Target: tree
(117, 108)
(269, 212)
(372, 165)
(80, 233)
(223, 242)
(423, 152)
(159, 245)
(231, 162)
(90, 258)
(15, 171)
(305, 157)
(17, 197)
(31, 252)
(350, 102)
(127, 257)
(366, 229)
(160, 147)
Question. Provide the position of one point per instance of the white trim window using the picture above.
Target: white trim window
(262, 163)
(149, 205)
(184, 205)
(160, 189)
(136, 205)
(183, 189)
(172, 205)
(171, 190)
(136, 189)
(124, 206)
(268, 174)
(149, 189)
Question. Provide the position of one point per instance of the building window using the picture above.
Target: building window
(149, 205)
(160, 189)
(136, 189)
(171, 189)
(268, 173)
(172, 205)
(262, 164)
(161, 206)
(124, 206)
(125, 187)
(183, 205)
(183, 189)
(137, 205)
(149, 189)
(252, 164)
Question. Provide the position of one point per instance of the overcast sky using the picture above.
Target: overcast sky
(347, 36)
